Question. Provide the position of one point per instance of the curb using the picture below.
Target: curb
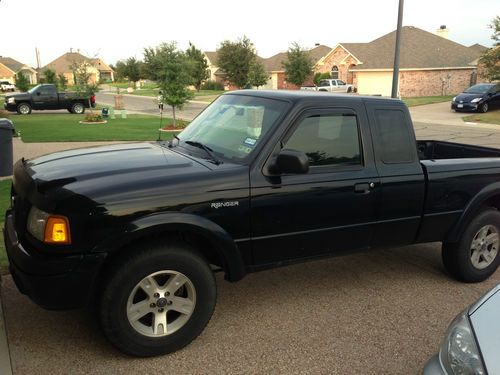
(5, 361)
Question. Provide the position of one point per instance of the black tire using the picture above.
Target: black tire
(457, 257)
(124, 277)
(23, 109)
(77, 108)
(349, 89)
(484, 108)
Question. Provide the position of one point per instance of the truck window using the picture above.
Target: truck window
(340, 83)
(328, 139)
(394, 136)
(324, 83)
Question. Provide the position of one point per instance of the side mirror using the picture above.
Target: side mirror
(292, 161)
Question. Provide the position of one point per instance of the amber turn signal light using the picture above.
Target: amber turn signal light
(57, 230)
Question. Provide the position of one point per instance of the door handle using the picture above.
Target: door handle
(363, 187)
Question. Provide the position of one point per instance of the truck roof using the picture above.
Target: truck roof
(299, 95)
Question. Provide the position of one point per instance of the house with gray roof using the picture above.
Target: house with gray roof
(430, 64)
(13, 67)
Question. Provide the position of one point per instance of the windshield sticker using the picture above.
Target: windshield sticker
(244, 149)
(250, 141)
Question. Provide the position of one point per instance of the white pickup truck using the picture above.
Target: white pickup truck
(331, 85)
(7, 86)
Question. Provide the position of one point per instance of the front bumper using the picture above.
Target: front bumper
(9, 107)
(465, 106)
(55, 282)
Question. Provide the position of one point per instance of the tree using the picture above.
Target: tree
(50, 76)
(319, 76)
(171, 69)
(22, 82)
(200, 71)
(235, 59)
(63, 81)
(84, 86)
(299, 65)
(257, 76)
(120, 71)
(491, 58)
(133, 69)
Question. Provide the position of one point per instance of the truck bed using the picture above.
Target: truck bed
(436, 150)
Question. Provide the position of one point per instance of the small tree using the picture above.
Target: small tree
(491, 58)
(120, 71)
(171, 69)
(299, 65)
(50, 76)
(235, 59)
(200, 71)
(84, 87)
(319, 76)
(257, 76)
(62, 81)
(22, 82)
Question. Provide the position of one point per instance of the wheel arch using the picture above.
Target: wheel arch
(489, 196)
(209, 238)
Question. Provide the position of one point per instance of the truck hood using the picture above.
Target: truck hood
(19, 96)
(88, 170)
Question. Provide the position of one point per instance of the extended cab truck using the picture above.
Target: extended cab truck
(259, 179)
(335, 85)
(45, 96)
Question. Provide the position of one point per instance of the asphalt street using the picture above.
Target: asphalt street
(379, 312)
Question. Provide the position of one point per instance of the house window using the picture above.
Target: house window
(335, 72)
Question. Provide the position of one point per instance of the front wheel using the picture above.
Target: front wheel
(157, 300)
(24, 109)
(475, 257)
(484, 108)
(77, 108)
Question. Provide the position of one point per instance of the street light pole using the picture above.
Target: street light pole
(395, 73)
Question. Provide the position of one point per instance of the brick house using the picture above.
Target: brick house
(97, 68)
(429, 64)
(15, 67)
(274, 66)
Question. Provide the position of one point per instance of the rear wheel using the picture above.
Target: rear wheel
(77, 108)
(475, 257)
(24, 109)
(157, 300)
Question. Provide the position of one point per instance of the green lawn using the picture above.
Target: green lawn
(421, 100)
(61, 127)
(4, 203)
(492, 117)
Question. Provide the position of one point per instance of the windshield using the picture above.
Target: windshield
(478, 89)
(233, 125)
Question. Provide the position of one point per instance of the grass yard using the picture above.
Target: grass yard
(4, 203)
(422, 100)
(61, 127)
(492, 117)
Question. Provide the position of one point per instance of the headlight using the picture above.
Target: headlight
(475, 100)
(454, 98)
(11, 100)
(53, 229)
(459, 353)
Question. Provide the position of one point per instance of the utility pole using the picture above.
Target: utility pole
(395, 73)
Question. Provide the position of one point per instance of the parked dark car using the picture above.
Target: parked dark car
(260, 179)
(481, 97)
(472, 341)
(45, 96)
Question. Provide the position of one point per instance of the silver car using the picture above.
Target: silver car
(472, 341)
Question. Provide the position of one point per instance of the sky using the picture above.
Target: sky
(114, 30)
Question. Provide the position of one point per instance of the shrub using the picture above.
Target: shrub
(212, 85)
(93, 117)
(319, 76)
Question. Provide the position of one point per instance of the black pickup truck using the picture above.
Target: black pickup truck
(259, 179)
(45, 96)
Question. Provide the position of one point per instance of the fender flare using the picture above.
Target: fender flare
(471, 210)
(221, 241)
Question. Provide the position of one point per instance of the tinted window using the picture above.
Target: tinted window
(340, 83)
(395, 143)
(324, 83)
(328, 139)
